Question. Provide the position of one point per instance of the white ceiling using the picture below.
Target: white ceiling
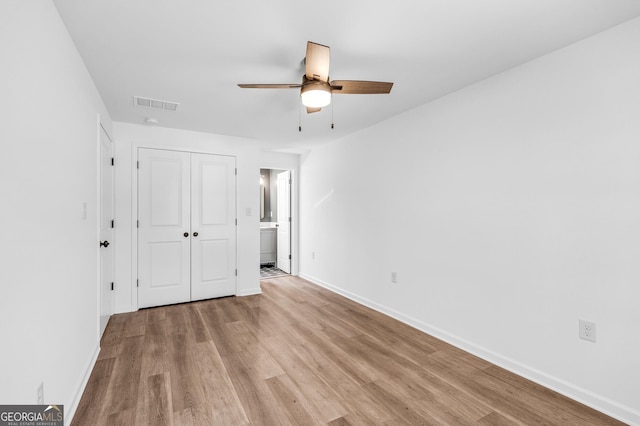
(195, 52)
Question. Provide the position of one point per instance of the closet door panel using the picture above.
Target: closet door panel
(214, 258)
(213, 217)
(164, 218)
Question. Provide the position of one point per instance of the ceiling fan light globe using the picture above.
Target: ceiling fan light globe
(316, 98)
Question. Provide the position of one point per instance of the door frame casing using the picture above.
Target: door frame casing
(100, 127)
(293, 211)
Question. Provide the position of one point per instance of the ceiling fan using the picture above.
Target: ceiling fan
(316, 89)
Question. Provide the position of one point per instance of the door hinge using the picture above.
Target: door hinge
(236, 272)
(111, 286)
(137, 283)
(236, 221)
(137, 164)
(137, 224)
(289, 257)
(289, 181)
(113, 161)
(236, 171)
(289, 218)
(113, 223)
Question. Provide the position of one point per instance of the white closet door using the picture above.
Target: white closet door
(213, 242)
(164, 220)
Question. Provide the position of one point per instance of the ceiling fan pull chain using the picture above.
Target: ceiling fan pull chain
(332, 110)
(300, 118)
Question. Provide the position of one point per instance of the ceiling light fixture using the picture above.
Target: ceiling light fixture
(316, 94)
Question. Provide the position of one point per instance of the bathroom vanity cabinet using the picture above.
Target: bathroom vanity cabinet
(268, 244)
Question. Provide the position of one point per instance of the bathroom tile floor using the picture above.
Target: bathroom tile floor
(270, 271)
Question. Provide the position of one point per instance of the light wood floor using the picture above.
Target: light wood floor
(299, 354)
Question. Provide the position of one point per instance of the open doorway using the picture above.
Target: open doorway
(275, 223)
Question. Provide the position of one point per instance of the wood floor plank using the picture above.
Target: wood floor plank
(289, 396)
(219, 394)
(497, 419)
(324, 401)
(197, 325)
(135, 324)
(555, 412)
(122, 392)
(183, 418)
(392, 403)
(548, 400)
(155, 361)
(159, 409)
(387, 367)
(396, 337)
(298, 333)
(299, 354)
(491, 396)
(364, 409)
(316, 317)
(340, 421)
(184, 385)
(215, 319)
(259, 403)
(450, 404)
(96, 390)
(111, 342)
(121, 418)
(327, 369)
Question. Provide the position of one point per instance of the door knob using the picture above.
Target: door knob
(186, 234)
(104, 243)
(195, 234)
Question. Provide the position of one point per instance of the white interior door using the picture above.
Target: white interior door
(213, 241)
(164, 234)
(284, 222)
(106, 230)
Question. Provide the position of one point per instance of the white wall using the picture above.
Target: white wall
(49, 254)
(249, 160)
(510, 210)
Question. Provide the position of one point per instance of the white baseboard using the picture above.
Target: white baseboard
(123, 309)
(70, 410)
(611, 408)
(250, 292)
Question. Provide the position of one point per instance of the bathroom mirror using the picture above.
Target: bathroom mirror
(262, 201)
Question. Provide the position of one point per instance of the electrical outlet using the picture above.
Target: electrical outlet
(587, 330)
(41, 394)
(394, 277)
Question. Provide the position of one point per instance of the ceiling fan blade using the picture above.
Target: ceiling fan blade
(312, 110)
(270, 86)
(317, 61)
(350, 87)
